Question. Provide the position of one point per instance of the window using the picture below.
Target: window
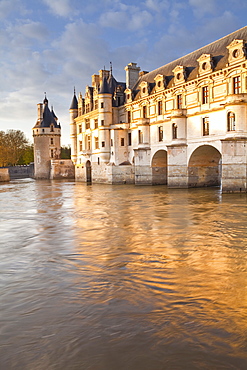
(205, 126)
(179, 101)
(140, 136)
(98, 160)
(103, 144)
(102, 122)
(230, 121)
(96, 123)
(160, 133)
(118, 101)
(52, 141)
(111, 142)
(52, 153)
(205, 95)
(129, 115)
(144, 111)
(87, 107)
(101, 105)
(96, 104)
(122, 141)
(129, 138)
(174, 131)
(236, 85)
(80, 145)
(159, 107)
(52, 128)
(43, 130)
(79, 129)
(87, 122)
(96, 143)
(88, 142)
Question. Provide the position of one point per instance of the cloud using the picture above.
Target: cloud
(157, 5)
(220, 26)
(11, 6)
(60, 8)
(131, 17)
(33, 30)
(202, 7)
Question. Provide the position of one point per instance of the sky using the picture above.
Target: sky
(53, 46)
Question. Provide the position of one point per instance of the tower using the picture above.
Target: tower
(73, 133)
(46, 136)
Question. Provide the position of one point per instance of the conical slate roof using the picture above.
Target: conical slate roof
(74, 103)
(48, 118)
(104, 87)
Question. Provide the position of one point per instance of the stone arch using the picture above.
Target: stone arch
(88, 172)
(159, 168)
(204, 168)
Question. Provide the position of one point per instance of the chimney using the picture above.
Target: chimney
(95, 80)
(40, 111)
(132, 74)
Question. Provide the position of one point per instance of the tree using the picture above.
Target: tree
(13, 144)
(28, 156)
(65, 152)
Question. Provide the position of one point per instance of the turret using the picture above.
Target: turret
(46, 136)
(105, 119)
(73, 132)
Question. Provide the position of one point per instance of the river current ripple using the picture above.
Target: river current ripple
(108, 277)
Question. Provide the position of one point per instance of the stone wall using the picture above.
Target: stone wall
(21, 172)
(4, 174)
(62, 169)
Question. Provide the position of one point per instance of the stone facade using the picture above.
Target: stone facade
(4, 174)
(46, 136)
(183, 124)
(62, 169)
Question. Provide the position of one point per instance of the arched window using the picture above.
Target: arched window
(174, 131)
(230, 121)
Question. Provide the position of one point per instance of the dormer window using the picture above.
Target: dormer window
(159, 82)
(236, 51)
(52, 128)
(205, 64)
(144, 88)
(179, 74)
(128, 95)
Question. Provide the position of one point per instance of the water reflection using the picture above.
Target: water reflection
(121, 277)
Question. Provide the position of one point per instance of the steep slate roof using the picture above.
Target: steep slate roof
(74, 103)
(216, 49)
(48, 118)
(104, 87)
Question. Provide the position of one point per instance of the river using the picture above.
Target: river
(101, 277)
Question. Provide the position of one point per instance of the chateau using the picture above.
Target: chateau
(183, 124)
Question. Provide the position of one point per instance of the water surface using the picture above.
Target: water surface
(108, 277)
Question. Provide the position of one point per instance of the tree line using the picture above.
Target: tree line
(15, 149)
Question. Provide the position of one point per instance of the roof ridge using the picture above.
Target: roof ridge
(193, 52)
